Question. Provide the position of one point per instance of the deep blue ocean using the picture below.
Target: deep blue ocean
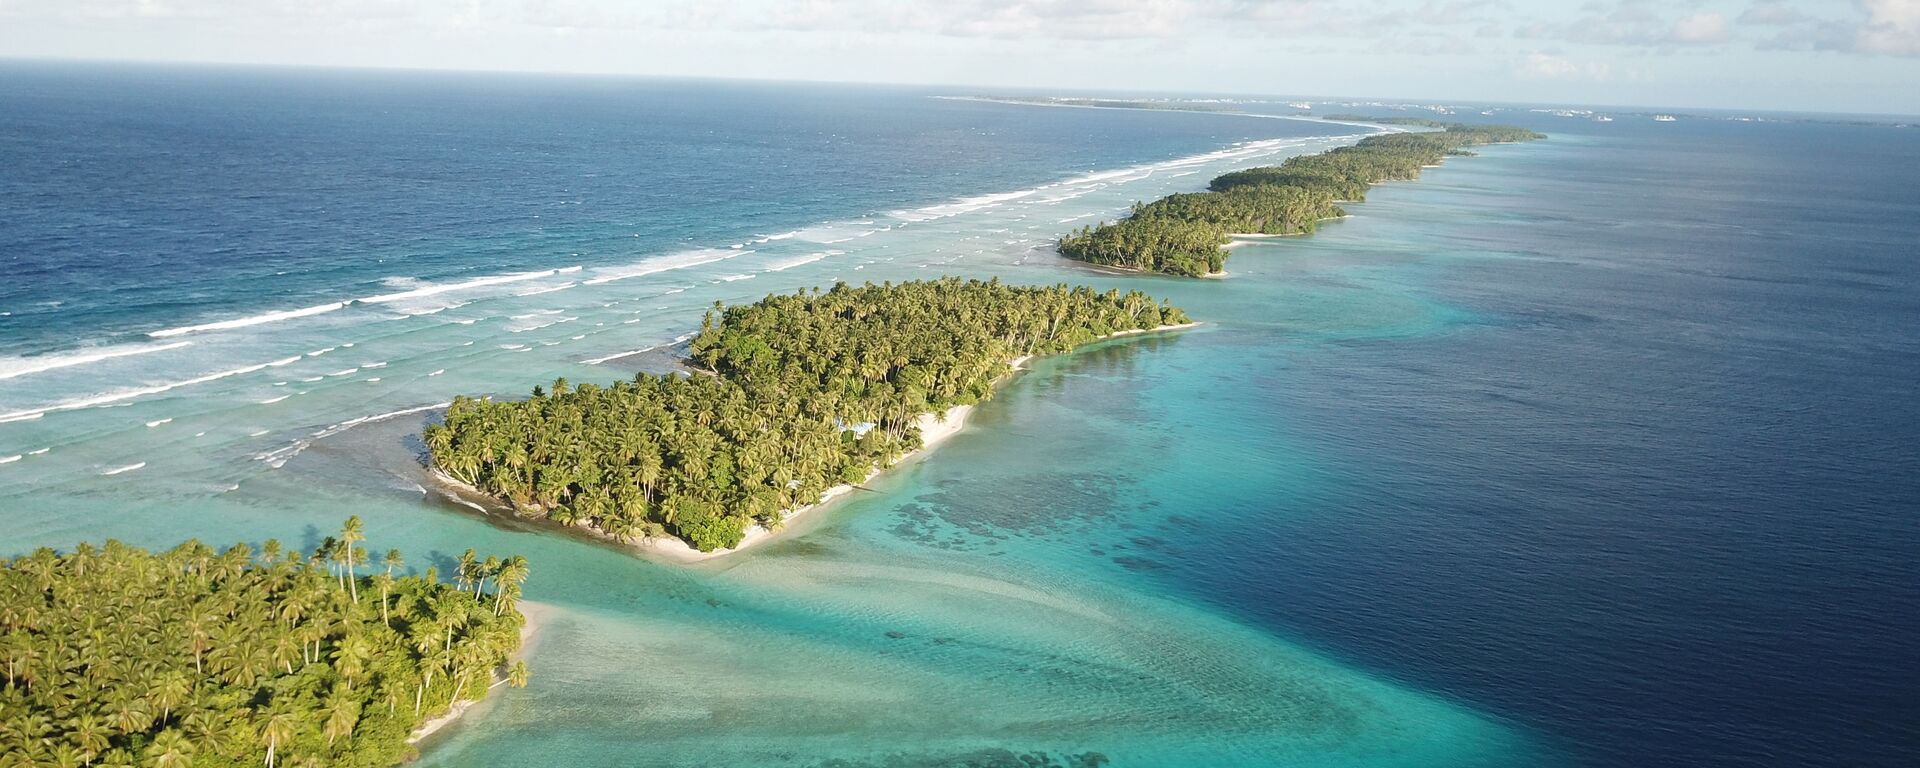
(1599, 451)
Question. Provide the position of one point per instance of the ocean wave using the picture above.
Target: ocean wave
(782, 266)
(676, 340)
(732, 278)
(21, 366)
(279, 456)
(157, 422)
(667, 263)
(272, 400)
(118, 470)
(439, 288)
(113, 399)
(538, 291)
(422, 291)
(243, 322)
(9, 459)
(434, 310)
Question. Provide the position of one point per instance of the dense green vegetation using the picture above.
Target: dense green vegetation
(1183, 234)
(116, 656)
(808, 391)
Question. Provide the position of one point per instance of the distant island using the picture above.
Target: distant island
(1176, 105)
(1184, 234)
(119, 656)
(797, 397)
(1419, 121)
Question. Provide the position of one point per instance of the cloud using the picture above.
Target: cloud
(1130, 19)
(1546, 66)
(1875, 28)
(1892, 27)
(1772, 13)
(1701, 29)
(1634, 23)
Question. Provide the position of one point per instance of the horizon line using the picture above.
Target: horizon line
(1060, 91)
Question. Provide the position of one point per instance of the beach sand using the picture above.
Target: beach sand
(536, 614)
(934, 430)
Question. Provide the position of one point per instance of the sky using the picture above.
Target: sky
(1805, 55)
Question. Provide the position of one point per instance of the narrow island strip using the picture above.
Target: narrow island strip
(806, 396)
(241, 657)
(1187, 234)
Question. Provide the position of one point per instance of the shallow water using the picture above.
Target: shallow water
(1582, 452)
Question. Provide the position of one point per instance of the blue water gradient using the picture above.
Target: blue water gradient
(1596, 452)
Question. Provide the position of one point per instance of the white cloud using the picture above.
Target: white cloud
(1892, 27)
(1547, 66)
(1772, 13)
(1701, 29)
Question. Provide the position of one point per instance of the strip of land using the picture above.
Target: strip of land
(1188, 234)
(809, 393)
(534, 614)
(935, 429)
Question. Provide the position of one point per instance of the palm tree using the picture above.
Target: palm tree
(343, 711)
(170, 750)
(170, 690)
(278, 729)
(465, 573)
(350, 534)
(513, 572)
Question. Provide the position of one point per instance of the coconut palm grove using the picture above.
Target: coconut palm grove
(116, 656)
(806, 391)
(1182, 234)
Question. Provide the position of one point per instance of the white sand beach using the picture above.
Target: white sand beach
(536, 614)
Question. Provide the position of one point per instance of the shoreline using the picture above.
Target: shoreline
(934, 430)
(1117, 271)
(534, 613)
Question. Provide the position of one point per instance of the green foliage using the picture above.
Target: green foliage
(1183, 234)
(808, 391)
(118, 656)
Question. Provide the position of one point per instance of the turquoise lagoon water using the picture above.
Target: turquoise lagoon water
(905, 623)
(1523, 464)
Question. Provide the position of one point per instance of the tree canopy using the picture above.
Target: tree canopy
(807, 391)
(116, 656)
(1182, 234)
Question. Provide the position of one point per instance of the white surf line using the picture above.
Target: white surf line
(667, 263)
(109, 400)
(278, 457)
(384, 298)
(57, 362)
(676, 340)
(158, 422)
(548, 290)
(127, 468)
(243, 322)
(9, 459)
